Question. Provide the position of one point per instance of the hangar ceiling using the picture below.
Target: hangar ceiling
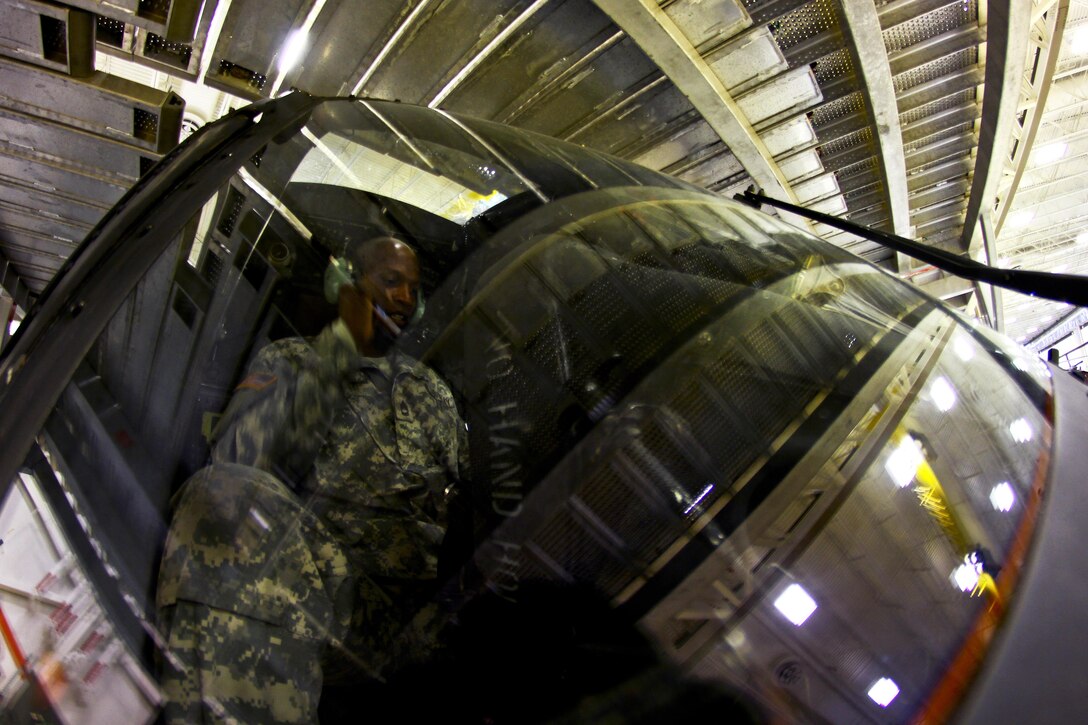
(919, 133)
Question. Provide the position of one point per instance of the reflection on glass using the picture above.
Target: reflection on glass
(675, 410)
(944, 395)
(904, 461)
(883, 691)
(1002, 497)
(796, 604)
(1021, 430)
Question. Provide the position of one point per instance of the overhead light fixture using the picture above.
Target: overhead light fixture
(293, 48)
(943, 394)
(1049, 154)
(1021, 430)
(963, 347)
(1003, 497)
(903, 463)
(1019, 219)
(965, 576)
(1078, 41)
(795, 604)
(883, 691)
(13, 326)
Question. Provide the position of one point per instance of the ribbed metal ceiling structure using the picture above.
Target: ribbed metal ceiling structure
(907, 115)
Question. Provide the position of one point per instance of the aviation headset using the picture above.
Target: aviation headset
(341, 272)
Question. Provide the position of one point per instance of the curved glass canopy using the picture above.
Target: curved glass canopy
(767, 464)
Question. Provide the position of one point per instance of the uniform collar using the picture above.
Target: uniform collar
(394, 363)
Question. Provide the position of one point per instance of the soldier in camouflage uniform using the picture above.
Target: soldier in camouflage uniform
(307, 551)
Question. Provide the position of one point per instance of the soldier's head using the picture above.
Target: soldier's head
(387, 269)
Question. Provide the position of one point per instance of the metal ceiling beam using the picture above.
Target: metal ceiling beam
(667, 46)
(1007, 37)
(13, 284)
(1034, 119)
(861, 28)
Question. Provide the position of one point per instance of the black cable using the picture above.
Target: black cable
(1071, 288)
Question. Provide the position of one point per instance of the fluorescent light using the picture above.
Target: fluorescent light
(903, 463)
(1049, 154)
(883, 691)
(13, 327)
(1078, 41)
(795, 604)
(293, 48)
(1002, 496)
(963, 347)
(965, 577)
(944, 395)
(1082, 238)
(707, 489)
(1019, 219)
(1021, 430)
(1059, 269)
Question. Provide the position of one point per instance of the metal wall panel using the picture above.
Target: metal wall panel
(106, 105)
(112, 159)
(58, 179)
(174, 20)
(48, 35)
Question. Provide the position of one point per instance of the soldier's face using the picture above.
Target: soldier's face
(392, 279)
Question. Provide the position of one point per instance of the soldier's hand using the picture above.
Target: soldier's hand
(357, 312)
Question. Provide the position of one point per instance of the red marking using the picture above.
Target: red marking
(94, 673)
(63, 618)
(123, 438)
(257, 381)
(13, 646)
(91, 642)
(45, 583)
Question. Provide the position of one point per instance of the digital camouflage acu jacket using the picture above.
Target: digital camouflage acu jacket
(373, 446)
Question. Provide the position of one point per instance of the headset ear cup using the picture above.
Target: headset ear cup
(337, 274)
(421, 307)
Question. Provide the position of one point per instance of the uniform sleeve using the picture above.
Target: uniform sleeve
(280, 412)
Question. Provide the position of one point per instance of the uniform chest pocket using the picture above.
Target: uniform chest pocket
(418, 419)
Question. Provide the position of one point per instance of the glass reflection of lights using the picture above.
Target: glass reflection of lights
(1002, 496)
(1021, 430)
(883, 691)
(963, 347)
(965, 576)
(944, 395)
(702, 494)
(902, 464)
(795, 604)
(293, 49)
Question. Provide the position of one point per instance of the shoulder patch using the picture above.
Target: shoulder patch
(257, 381)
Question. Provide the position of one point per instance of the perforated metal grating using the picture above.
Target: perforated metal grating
(850, 105)
(803, 23)
(960, 130)
(943, 104)
(159, 48)
(857, 138)
(942, 20)
(145, 125)
(157, 10)
(935, 69)
(246, 76)
(861, 167)
(833, 66)
(109, 31)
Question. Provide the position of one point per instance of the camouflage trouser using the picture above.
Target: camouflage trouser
(252, 590)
